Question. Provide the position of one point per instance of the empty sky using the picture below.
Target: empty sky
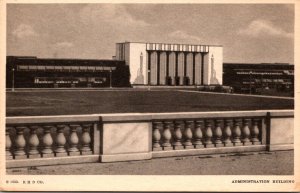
(249, 33)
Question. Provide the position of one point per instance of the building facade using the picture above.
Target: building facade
(31, 72)
(246, 77)
(172, 64)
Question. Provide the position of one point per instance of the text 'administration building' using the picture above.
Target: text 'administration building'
(172, 64)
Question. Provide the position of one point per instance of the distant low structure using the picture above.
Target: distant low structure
(250, 77)
(172, 64)
(32, 72)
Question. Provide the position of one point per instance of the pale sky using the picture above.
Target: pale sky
(252, 33)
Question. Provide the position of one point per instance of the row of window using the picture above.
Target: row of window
(65, 80)
(177, 47)
(280, 72)
(64, 68)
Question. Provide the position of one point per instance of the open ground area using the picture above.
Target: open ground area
(72, 102)
(263, 163)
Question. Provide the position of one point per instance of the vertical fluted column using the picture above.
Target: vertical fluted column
(255, 132)
(198, 135)
(60, 140)
(177, 135)
(8, 143)
(156, 136)
(194, 68)
(47, 142)
(158, 68)
(20, 144)
(167, 135)
(149, 68)
(218, 134)
(246, 132)
(236, 133)
(188, 135)
(208, 135)
(86, 140)
(33, 143)
(73, 141)
(227, 134)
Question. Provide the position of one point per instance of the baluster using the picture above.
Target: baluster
(198, 135)
(20, 143)
(60, 140)
(236, 132)
(157, 126)
(73, 141)
(227, 134)
(33, 143)
(8, 143)
(188, 135)
(218, 134)
(47, 142)
(246, 132)
(167, 136)
(208, 135)
(86, 140)
(177, 135)
(255, 132)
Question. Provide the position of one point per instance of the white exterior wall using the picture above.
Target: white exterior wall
(133, 58)
(189, 67)
(180, 67)
(131, 53)
(213, 66)
(163, 68)
(198, 69)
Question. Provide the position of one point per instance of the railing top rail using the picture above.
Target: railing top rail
(123, 117)
(52, 119)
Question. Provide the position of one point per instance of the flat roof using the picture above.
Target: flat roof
(169, 43)
(238, 63)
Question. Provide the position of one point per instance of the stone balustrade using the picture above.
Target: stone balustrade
(44, 141)
(206, 133)
(33, 141)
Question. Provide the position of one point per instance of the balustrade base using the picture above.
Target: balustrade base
(278, 147)
(48, 155)
(9, 157)
(178, 147)
(209, 145)
(210, 151)
(51, 161)
(256, 143)
(247, 143)
(126, 157)
(168, 148)
(62, 154)
(20, 156)
(34, 156)
(86, 153)
(157, 148)
(228, 145)
(238, 144)
(198, 146)
(189, 147)
(219, 145)
(76, 153)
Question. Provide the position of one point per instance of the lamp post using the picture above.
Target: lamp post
(110, 72)
(13, 80)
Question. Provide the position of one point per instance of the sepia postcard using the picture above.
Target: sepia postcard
(149, 95)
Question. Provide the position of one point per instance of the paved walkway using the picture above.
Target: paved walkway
(263, 163)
